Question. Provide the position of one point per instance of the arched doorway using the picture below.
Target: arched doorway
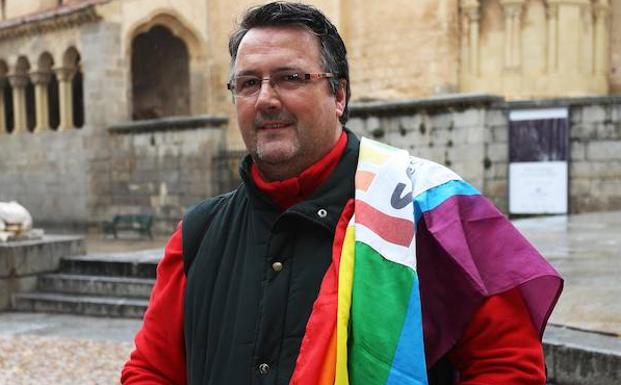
(160, 75)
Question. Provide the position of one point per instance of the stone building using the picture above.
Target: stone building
(119, 106)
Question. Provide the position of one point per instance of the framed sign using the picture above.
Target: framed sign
(538, 161)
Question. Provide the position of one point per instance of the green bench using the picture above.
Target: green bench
(139, 223)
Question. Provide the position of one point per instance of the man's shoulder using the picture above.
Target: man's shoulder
(206, 206)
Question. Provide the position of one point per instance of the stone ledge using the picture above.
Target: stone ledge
(564, 102)
(440, 102)
(62, 17)
(576, 357)
(173, 123)
(35, 256)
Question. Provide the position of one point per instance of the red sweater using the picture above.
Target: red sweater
(499, 346)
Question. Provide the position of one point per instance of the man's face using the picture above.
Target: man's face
(286, 131)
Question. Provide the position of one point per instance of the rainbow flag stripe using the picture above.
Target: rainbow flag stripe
(366, 324)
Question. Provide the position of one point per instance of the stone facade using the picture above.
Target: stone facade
(595, 171)
(161, 167)
(66, 77)
(467, 133)
(470, 135)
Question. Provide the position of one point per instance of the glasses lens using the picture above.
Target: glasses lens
(288, 80)
(246, 85)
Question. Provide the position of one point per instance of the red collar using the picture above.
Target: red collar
(286, 193)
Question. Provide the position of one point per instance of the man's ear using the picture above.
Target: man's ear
(340, 97)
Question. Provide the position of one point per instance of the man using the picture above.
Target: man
(259, 286)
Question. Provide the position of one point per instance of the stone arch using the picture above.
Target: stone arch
(45, 67)
(74, 76)
(176, 25)
(160, 74)
(22, 71)
(181, 29)
(6, 99)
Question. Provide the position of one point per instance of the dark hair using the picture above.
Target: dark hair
(280, 13)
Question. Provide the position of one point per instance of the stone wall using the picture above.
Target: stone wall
(21, 262)
(46, 173)
(159, 167)
(469, 133)
(595, 172)
(464, 132)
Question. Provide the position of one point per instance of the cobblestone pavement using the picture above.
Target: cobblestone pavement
(52, 360)
(56, 349)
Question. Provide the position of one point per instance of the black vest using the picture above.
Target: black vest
(253, 274)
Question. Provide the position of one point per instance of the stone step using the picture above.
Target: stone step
(96, 285)
(80, 304)
(93, 265)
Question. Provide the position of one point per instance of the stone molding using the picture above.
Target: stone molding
(174, 123)
(64, 17)
(452, 101)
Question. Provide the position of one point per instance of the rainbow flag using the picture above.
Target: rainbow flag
(366, 324)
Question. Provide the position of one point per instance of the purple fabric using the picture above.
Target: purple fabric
(467, 250)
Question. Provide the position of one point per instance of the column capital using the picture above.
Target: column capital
(65, 74)
(601, 8)
(40, 77)
(512, 7)
(18, 81)
(470, 8)
(552, 10)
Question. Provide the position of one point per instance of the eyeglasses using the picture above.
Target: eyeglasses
(249, 85)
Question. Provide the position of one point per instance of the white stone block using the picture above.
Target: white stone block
(593, 114)
(468, 118)
(604, 150)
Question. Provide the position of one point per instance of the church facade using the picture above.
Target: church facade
(102, 101)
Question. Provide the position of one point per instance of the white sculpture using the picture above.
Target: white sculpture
(15, 220)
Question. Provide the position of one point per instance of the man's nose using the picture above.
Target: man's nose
(267, 97)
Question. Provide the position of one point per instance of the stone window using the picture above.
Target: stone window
(160, 75)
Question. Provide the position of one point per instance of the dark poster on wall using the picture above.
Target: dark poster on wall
(538, 155)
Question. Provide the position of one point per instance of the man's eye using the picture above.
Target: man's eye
(292, 77)
(245, 83)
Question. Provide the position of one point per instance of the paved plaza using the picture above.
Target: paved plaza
(586, 249)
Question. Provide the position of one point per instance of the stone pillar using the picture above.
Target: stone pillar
(601, 10)
(42, 105)
(472, 12)
(65, 97)
(552, 48)
(3, 83)
(570, 36)
(19, 83)
(513, 32)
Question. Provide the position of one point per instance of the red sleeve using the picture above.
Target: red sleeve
(159, 354)
(500, 345)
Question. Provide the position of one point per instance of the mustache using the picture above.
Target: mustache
(266, 116)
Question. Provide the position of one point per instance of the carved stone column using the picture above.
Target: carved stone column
(513, 32)
(601, 10)
(3, 84)
(42, 105)
(19, 83)
(472, 13)
(552, 19)
(65, 96)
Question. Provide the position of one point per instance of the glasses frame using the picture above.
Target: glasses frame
(305, 76)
